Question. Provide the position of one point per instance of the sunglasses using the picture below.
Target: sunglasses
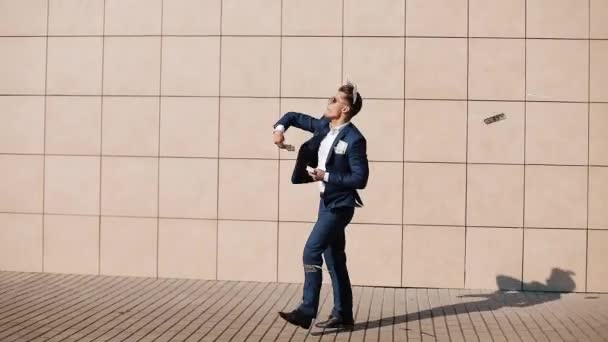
(334, 99)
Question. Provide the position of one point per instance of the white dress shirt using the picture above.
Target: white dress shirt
(324, 149)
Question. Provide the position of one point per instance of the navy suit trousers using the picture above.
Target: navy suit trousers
(327, 241)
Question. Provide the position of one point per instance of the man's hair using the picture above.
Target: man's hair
(355, 106)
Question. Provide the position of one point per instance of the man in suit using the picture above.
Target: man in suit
(336, 157)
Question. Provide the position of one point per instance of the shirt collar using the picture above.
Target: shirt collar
(339, 127)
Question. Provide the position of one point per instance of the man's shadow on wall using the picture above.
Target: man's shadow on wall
(558, 281)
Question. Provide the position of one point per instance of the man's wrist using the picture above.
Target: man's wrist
(326, 177)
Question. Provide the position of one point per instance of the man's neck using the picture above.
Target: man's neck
(338, 122)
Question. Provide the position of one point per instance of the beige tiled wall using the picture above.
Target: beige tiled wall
(135, 138)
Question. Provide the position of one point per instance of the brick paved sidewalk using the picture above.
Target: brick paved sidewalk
(57, 307)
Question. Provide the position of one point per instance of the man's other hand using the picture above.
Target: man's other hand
(317, 175)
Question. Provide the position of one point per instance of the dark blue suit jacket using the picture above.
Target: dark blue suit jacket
(347, 172)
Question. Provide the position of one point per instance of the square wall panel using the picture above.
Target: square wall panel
(557, 19)
(76, 17)
(556, 133)
(21, 183)
(129, 246)
(254, 17)
(71, 244)
(439, 249)
(597, 268)
(248, 189)
(494, 258)
(72, 185)
(187, 248)
(446, 58)
(22, 128)
(23, 18)
(436, 18)
(381, 122)
(598, 139)
(495, 195)
(244, 131)
(74, 65)
(383, 242)
(497, 18)
(599, 12)
(497, 69)
(554, 260)
(364, 57)
(435, 131)
(256, 243)
(498, 142)
(73, 125)
(133, 17)
(256, 75)
(140, 56)
(21, 242)
(556, 197)
(434, 194)
(311, 66)
(312, 18)
(598, 197)
(188, 188)
(130, 126)
(189, 127)
(599, 71)
(22, 65)
(383, 195)
(557, 70)
(191, 66)
(129, 186)
(297, 202)
(374, 18)
(191, 17)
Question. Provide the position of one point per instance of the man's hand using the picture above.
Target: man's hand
(317, 174)
(278, 138)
